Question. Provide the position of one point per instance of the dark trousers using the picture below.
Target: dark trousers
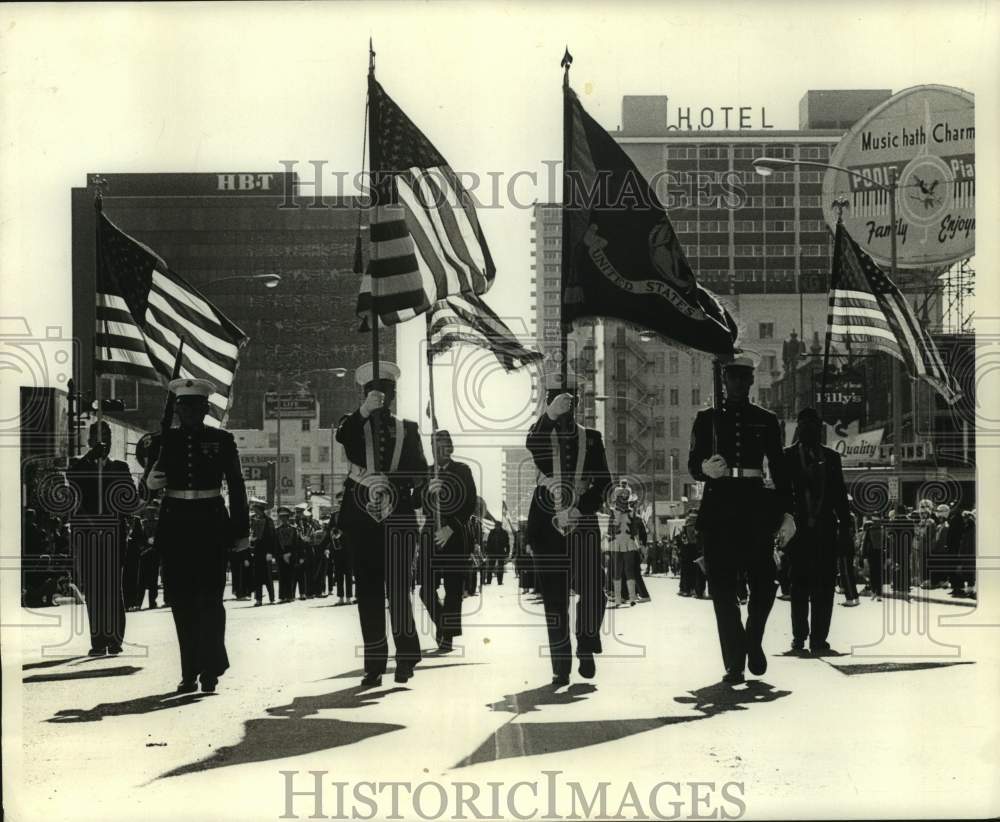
(286, 580)
(813, 574)
(97, 556)
(343, 573)
(447, 614)
(471, 577)
(740, 563)
(495, 565)
(692, 577)
(573, 562)
(848, 582)
(261, 580)
(381, 555)
(876, 568)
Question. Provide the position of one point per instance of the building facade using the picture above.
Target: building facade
(218, 232)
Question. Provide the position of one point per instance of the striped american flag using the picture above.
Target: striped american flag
(467, 319)
(426, 243)
(143, 310)
(869, 313)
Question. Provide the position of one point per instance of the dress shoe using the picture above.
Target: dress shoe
(208, 685)
(403, 674)
(371, 681)
(756, 660)
(114, 650)
(257, 604)
(798, 646)
(97, 652)
(819, 648)
(187, 686)
(587, 669)
(734, 678)
(445, 645)
(559, 680)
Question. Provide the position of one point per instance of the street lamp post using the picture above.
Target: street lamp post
(652, 448)
(765, 167)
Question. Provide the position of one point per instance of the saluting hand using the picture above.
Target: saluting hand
(715, 466)
(374, 401)
(560, 405)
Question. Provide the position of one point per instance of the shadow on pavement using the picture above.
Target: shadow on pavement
(533, 738)
(123, 670)
(142, 705)
(292, 734)
(528, 701)
(893, 667)
(52, 663)
(419, 671)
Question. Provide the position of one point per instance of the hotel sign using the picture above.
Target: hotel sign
(926, 135)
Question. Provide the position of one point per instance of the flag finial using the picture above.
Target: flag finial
(567, 60)
(840, 205)
(371, 56)
(99, 183)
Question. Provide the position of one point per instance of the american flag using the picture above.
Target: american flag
(869, 313)
(467, 319)
(426, 243)
(143, 310)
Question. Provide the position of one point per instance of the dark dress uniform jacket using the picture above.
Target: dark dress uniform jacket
(596, 479)
(744, 434)
(457, 504)
(411, 470)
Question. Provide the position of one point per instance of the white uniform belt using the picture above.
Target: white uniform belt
(745, 472)
(206, 493)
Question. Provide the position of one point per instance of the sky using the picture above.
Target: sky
(230, 87)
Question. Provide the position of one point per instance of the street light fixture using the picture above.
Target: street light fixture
(268, 280)
(765, 166)
(652, 448)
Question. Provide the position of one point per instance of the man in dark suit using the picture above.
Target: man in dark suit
(448, 499)
(822, 529)
(497, 552)
(105, 494)
(738, 516)
(378, 519)
(562, 527)
(195, 532)
(264, 545)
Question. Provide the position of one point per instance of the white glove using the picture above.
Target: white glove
(434, 485)
(562, 404)
(715, 466)
(443, 534)
(786, 531)
(373, 402)
(156, 480)
(242, 544)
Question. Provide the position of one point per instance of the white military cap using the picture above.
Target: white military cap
(185, 387)
(386, 371)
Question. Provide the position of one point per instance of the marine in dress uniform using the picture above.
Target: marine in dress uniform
(106, 496)
(195, 532)
(739, 517)
(378, 519)
(444, 551)
(264, 546)
(562, 527)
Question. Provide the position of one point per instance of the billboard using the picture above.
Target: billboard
(258, 465)
(926, 135)
(855, 448)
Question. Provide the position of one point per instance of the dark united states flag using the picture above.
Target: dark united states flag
(143, 311)
(869, 313)
(426, 243)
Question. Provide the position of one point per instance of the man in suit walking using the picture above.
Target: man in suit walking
(823, 530)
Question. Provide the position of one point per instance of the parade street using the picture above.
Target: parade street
(816, 734)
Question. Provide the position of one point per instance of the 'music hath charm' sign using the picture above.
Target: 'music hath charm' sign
(926, 135)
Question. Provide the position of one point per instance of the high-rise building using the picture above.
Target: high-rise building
(219, 231)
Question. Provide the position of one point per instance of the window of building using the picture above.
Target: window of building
(675, 458)
(674, 397)
(658, 427)
(622, 429)
(306, 424)
(682, 152)
(552, 311)
(272, 440)
(765, 331)
(620, 335)
(621, 371)
(695, 365)
(675, 427)
(324, 453)
(552, 282)
(770, 362)
(674, 364)
(658, 362)
(621, 405)
(660, 460)
(306, 453)
(621, 461)
(696, 396)
(764, 397)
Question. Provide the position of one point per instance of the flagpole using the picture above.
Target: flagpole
(840, 205)
(897, 370)
(98, 394)
(375, 186)
(564, 258)
(436, 504)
